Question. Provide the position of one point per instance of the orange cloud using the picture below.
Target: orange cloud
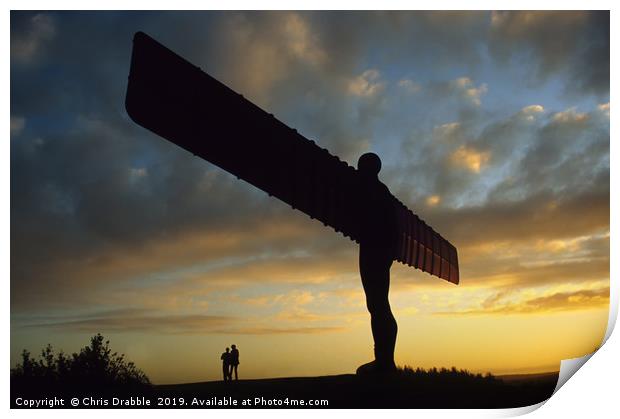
(570, 116)
(433, 200)
(562, 301)
(366, 84)
(470, 158)
(301, 41)
(467, 89)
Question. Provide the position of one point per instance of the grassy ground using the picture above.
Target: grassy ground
(407, 389)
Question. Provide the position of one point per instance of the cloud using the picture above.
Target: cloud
(466, 88)
(17, 125)
(570, 116)
(604, 109)
(471, 159)
(558, 302)
(194, 262)
(179, 324)
(540, 215)
(101, 207)
(433, 200)
(409, 86)
(514, 264)
(532, 111)
(574, 42)
(461, 93)
(191, 324)
(507, 159)
(263, 51)
(28, 41)
(446, 130)
(366, 84)
(297, 298)
(302, 41)
(492, 300)
(279, 331)
(290, 300)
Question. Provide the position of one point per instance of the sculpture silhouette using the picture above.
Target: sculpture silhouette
(234, 361)
(226, 364)
(377, 246)
(176, 100)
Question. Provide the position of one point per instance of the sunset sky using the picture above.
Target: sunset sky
(492, 126)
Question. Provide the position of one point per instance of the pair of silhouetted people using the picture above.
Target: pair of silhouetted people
(230, 363)
(378, 242)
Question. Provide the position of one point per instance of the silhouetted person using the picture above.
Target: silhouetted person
(377, 250)
(226, 364)
(234, 361)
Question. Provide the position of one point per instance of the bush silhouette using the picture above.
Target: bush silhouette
(95, 370)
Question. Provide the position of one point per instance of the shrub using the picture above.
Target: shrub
(94, 370)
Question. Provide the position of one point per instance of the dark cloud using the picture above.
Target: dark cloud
(510, 266)
(31, 34)
(128, 321)
(519, 275)
(284, 330)
(575, 42)
(568, 154)
(541, 215)
(180, 324)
